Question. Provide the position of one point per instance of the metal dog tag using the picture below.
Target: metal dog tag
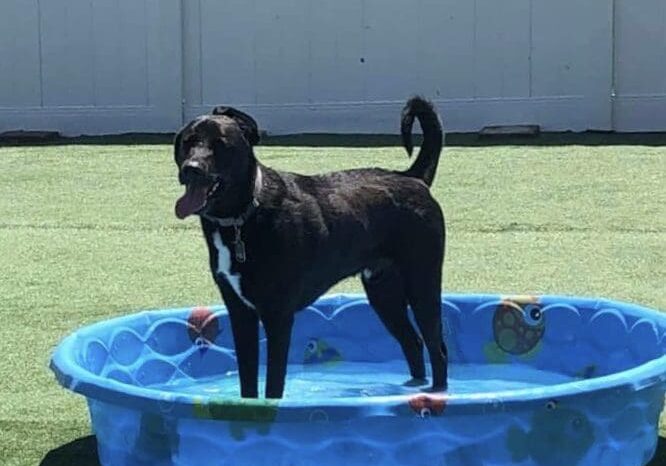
(239, 246)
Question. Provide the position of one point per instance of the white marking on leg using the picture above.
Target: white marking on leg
(224, 268)
(367, 274)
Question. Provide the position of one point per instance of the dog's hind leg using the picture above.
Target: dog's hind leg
(386, 292)
(424, 295)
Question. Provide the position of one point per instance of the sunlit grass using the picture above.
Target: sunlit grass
(87, 232)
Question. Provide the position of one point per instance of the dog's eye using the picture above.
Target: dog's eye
(223, 156)
(191, 141)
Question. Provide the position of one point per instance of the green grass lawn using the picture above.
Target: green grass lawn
(88, 232)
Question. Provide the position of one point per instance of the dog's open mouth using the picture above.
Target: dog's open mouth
(195, 198)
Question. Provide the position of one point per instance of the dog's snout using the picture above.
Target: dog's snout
(192, 170)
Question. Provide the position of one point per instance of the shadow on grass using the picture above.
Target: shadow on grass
(83, 452)
(590, 138)
(474, 140)
(80, 452)
(660, 456)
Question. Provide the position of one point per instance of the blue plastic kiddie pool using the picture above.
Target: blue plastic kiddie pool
(548, 381)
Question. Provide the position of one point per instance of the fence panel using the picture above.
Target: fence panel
(640, 65)
(346, 66)
(90, 66)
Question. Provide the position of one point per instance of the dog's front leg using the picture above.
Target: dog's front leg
(278, 333)
(245, 327)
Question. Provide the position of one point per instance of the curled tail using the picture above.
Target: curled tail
(425, 165)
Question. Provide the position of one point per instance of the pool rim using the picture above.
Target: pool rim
(74, 377)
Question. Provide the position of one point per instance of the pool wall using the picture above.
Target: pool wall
(607, 416)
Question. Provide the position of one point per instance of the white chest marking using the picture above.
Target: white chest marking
(224, 268)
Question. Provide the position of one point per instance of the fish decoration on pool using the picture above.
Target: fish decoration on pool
(587, 372)
(203, 327)
(426, 406)
(157, 435)
(317, 351)
(557, 436)
(518, 328)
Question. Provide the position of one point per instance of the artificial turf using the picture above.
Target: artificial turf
(87, 232)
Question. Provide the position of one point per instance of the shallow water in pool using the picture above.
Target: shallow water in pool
(356, 379)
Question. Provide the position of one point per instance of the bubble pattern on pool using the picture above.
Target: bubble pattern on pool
(534, 381)
(578, 341)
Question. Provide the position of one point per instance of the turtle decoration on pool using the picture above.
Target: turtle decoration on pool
(518, 328)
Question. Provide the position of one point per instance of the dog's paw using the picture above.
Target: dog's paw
(414, 382)
(437, 389)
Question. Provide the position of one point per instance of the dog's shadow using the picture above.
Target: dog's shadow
(79, 452)
(660, 456)
(83, 452)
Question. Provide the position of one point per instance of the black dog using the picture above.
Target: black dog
(277, 241)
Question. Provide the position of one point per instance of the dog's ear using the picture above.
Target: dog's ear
(177, 140)
(247, 124)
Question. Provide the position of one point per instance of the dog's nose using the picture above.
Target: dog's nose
(192, 170)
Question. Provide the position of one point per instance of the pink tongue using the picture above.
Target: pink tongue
(193, 200)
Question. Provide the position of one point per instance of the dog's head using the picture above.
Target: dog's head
(215, 160)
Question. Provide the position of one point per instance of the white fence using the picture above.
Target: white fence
(109, 66)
